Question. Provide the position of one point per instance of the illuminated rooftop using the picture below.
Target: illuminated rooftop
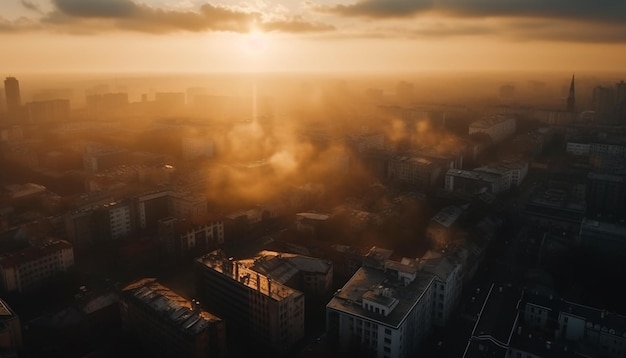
(243, 272)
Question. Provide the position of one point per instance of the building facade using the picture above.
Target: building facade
(28, 269)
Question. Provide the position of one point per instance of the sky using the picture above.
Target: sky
(43, 36)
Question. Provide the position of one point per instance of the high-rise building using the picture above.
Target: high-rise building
(12, 93)
(571, 98)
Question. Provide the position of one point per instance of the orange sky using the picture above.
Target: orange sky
(314, 35)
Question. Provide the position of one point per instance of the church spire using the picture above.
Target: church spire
(571, 99)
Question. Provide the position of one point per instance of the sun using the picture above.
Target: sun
(255, 43)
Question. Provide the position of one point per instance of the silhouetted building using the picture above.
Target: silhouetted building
(606, 195)
(168, 325)
(264, 313)
(571, 97)
(12, 93)
(10, 328)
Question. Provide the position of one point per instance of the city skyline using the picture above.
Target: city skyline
(321, 35)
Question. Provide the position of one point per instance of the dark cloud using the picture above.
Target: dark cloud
(30, 6)
(97, 8)
(597, 10)
(128, 15)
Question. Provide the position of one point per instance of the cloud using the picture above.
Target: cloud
(30, 6)
(598, 10)
(22, 24)
(107, 15)
(296, 24)
(97, 8)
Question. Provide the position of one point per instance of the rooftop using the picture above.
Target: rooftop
(490, 121)
(171, 307)
(243, 272)
(34, 252)
(488, 177)
(363, 284)
(448, 215)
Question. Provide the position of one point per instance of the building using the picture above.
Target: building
(605, 237)
(571, 97)
(606, 196)
(28, 269)
(152, 207)
(307, 274)
(187, 205)
(100, 223)
(472, 182)
(413, 170)
(98, 157)
(49, 111)
(512, 173)
(555, 208)
(442, 227)
(12, 93)
(180, 238)
(266, 314)
(193, 148)
(449, 274)
(498, 127)
(10, 328)
(522, 323)
(384, 310)
(168, 325)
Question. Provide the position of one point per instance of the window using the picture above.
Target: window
(387, 331)
(386, 349)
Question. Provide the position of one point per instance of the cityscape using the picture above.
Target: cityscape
(350, 178)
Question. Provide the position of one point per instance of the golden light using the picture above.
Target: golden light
(255, 43)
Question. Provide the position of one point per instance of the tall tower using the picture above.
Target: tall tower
(12, 93)
(571, 99)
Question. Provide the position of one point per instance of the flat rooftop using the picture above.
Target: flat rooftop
(242, 272)
(350, 298)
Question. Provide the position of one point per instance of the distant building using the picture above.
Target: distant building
(98, 157)
(100, 223)
(180, 238)
(193, 148)
(498, 127)
(10, 328)
(50, 111)
(472, 182)
(28, 269)
(571, 97)
(413, 170)
(384, 310)
(555, 208)
(167, 325)
(264, 313)
(12, 93)
(512, 173)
